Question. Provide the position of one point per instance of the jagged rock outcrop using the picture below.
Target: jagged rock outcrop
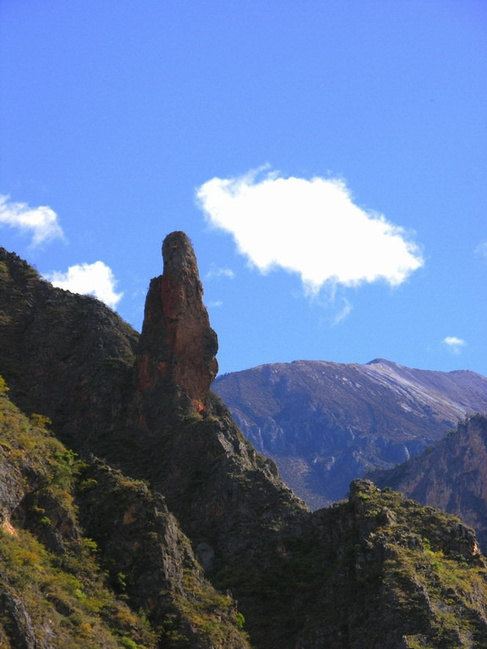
(151, 562)
(325, 424)
(227, 498)
(394, 577)
(451, 475)
(177, 347)
(190, 523)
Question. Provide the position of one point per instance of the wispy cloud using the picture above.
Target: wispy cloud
(41, 222)
(308, 226)
(216, 272)
(95, 279)
(481, 249)
(454, 344)
(345, 310)
(215, 304)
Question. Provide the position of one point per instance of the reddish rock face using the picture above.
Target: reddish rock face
(177, 346)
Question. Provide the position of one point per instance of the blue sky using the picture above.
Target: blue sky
(125, 121)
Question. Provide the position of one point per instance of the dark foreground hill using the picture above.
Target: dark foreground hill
(141, 517)
(325, 424)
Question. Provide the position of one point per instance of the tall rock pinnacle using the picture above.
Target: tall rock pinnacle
(177, 346)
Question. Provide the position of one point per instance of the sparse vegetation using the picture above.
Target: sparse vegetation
(64, 595)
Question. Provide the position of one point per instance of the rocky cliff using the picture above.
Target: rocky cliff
(451, 475)
(194, 540)
(325, 424)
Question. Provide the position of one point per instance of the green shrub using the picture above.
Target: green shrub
(128, 643)
(240, 620)
(3, 386)
(40, 421)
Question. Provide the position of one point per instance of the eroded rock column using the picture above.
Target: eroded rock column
(177, 346)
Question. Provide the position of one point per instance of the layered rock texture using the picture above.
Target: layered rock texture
(141, 517)
(325, 424)
(451, 475)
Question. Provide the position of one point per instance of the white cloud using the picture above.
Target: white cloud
(216, 272)
(308, 226)
(454, 344)
(88, 279)
(216, 304)
(41, 222)
(481, 249)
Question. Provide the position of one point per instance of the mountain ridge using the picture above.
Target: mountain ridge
(326, 423)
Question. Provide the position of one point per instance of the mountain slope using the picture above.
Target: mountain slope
(192, 525)
(65, 355)
(88, 555)
(451, 475)
(325, 424)
(52, 592)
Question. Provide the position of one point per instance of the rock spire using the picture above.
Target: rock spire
(177, 346)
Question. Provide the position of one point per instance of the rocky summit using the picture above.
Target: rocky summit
(135, 514)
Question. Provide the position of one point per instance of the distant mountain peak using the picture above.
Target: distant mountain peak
(382, 361)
